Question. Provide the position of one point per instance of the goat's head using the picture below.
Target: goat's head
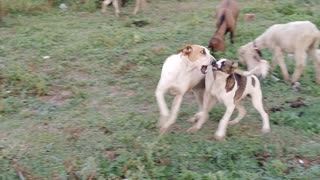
(217, 44)
(249, 52)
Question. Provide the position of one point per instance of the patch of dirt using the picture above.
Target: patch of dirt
(74, 133)
(105, 130)
(305, 162)
(299, 102)
(124, 68)
(165, 161)
(71, 168)
(111, 153)
(23, 172)
(262, 157)
(78, 76)
(276, 108)
(46, 128)
(56, 96)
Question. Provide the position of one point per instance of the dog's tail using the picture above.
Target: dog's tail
(261, 69)
(264, 68)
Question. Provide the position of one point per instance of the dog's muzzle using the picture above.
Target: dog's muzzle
(214, 65)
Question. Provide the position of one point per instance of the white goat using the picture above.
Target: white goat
(298, 38)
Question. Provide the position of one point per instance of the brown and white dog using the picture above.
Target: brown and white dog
(226, 14)
(226, 86)
(115, 3)
(180, 73)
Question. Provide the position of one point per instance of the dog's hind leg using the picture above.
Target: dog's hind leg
(202, 116)
(174, 112)
(164, 111)
(241, 113)
(198, 92)
(256, 97)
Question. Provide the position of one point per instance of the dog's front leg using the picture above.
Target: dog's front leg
(164, 111)
(221, 132)
(174, 112)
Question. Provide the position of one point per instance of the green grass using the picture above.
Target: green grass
(89, 110)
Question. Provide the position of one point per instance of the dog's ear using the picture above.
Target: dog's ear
(186, 50)
(234, 64)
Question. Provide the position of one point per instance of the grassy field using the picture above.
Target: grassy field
(77, 98)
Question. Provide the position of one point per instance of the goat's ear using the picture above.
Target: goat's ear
(234, 64)
(186, 50)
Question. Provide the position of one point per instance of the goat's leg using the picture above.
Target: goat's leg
(300, 57)
(316, 61)
(280, 59)
(231, 37)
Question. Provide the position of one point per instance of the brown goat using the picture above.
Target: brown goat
(226, 14)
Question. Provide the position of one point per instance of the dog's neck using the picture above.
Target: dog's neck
(220, 78)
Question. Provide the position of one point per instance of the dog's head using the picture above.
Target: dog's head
(199, 56)
(225, 66)
(217, 44)
(248, 53)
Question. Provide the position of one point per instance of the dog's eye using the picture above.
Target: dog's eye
(203, 52)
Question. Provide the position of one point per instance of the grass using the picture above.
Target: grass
(89, 112)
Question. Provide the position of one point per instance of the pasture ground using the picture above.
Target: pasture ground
(89, 112)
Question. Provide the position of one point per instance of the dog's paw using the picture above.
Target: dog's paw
(265, 130)
(192, 119)
(233, 122)
(162, 121)
(193, 129)
(164, 129)
(219, 138)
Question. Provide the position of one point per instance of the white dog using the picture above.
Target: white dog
(105, 3)
(180, 73)
(226, 86)
(298, 38)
